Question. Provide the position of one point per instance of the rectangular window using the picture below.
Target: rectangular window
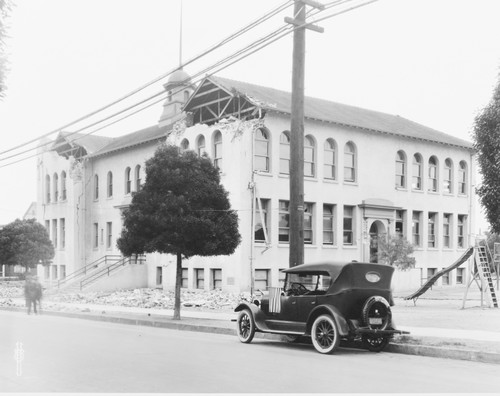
(261, 279)
(62, 232)
(348, 225)
(109, 234)
(159, 276)
(446, 279)
(431, 272)
(47, 271)
(284, 221)
(328, 224)
(308, 223)
(261, 221)
(216, 278)
(460, 276)
(184, 278)
(400, 223)
(47, 226)
(446, 230)
(54, 271)
(96, 235)
(431, 230)
(200, 278)
(54, 232)
(415, 229)
(62, 271)
(308, 161)
(461, 230)
(284, 154)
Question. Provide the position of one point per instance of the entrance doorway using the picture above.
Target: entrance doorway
(377, 231)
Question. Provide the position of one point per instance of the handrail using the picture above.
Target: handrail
(106, 271)
(83, 270)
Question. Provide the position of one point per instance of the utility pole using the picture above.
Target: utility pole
(296, 207)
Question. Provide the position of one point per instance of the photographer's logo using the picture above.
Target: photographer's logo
(19, 357)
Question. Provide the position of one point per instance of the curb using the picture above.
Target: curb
(393, 347)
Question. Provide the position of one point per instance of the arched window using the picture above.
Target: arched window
(186, 96)
(349, 162)
(448, 176)
(128, 181)
(433, 174)
(56, 187)
(63, 186)
(218, 149)
(96, 187)
(261, 153)
(329, 170)
(185, 145)
(416, 180)
(400, 169)
(285, 153)
(462, 178)
(47, 189)
(110, 184)
(200, 144)
(137, 178)
(309, 156)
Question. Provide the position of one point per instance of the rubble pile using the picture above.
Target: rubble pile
(11, 289)
(152, 298)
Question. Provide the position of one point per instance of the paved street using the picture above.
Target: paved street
(73, 355)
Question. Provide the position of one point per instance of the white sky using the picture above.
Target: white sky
(432, 61)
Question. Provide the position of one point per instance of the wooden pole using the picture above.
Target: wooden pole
(296, 207)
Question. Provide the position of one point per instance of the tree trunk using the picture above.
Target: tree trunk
(178, 281)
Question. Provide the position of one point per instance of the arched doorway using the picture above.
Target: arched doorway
(377, 230)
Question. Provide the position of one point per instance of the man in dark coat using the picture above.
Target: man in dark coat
(32, 293)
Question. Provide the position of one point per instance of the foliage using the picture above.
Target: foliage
(25, 242)
(395, 251)
(182, 209)
(486, 136)
(5, 7)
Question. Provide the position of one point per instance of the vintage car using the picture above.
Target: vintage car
(328, 302)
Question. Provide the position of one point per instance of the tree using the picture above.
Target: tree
(182, 209)
(5, 7)
(486, 137)
(25, 242)
(395, 251)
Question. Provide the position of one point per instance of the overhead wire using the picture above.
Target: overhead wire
(263, 42)
(226, 40)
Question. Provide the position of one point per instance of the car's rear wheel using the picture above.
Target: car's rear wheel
(325, 334)
(376, 313)
(245, 326)
(374, 343)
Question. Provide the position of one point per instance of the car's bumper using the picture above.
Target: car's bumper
(362, 331)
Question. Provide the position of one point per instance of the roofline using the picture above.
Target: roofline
(471, 148)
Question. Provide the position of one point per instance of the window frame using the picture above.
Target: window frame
(353, 159)
(462, 178)
(217, 148)
(448, 176)
(329, 221)
(284, 153)
(348, 233)
(309, 163)
(284, 214)
(433, 175)
(128, 180)
(416, 177)
(330, 159)
(401, 169)
(262, 137)
(416, 229)
(109, 184)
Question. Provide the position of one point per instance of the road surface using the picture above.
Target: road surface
(56, 354)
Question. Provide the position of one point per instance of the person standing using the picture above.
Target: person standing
(30, 294)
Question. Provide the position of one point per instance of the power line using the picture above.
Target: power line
(243, 53)
(135, 91)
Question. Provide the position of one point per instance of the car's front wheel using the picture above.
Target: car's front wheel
(245, 326)
(325, 334)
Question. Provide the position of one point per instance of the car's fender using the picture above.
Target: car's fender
(258, 315)
(332, 311)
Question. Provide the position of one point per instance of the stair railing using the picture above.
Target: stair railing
(83, 271)
(109, 269)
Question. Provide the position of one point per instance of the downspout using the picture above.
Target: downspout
(252, 206)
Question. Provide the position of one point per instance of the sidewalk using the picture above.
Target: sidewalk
(438, 326)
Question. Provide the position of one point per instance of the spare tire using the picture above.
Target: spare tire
(376, 313)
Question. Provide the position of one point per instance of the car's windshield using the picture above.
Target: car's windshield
(316, 282)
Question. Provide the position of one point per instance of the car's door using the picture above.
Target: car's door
(303, 306)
